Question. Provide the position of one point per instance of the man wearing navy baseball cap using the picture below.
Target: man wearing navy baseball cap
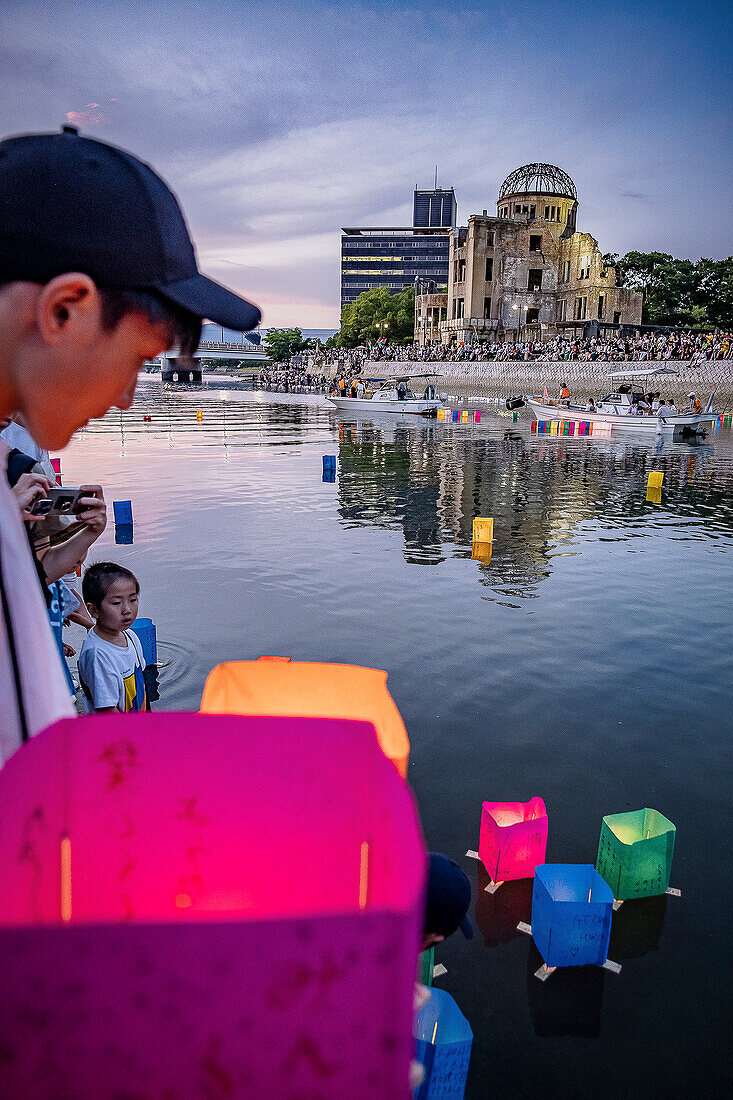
(97, 274)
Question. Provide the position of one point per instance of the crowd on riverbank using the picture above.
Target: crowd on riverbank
(657, 347)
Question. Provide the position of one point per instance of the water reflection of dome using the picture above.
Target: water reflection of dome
(538, 179)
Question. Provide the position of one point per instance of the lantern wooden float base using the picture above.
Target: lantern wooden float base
(493, 887)
(671, 890)
(546, 971)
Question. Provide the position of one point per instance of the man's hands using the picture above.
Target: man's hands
(94, 514)
(28, 489)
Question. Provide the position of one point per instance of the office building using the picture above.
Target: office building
(398, 256)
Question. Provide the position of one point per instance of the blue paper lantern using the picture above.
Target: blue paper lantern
(124, 534)
(329, 467)
(571, 914)
(443, 1047)
(122, 511)
(145, 630)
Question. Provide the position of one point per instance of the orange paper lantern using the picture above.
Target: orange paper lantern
(309, 689)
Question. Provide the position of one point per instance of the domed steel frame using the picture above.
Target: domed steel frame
(538, 179)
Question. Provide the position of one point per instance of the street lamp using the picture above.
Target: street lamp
(519, 309)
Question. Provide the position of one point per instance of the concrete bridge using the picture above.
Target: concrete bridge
(173, 370)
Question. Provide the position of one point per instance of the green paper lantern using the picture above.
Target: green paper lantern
(635, 853)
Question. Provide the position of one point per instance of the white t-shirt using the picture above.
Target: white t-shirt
(112, 675)
(15, 435)
(44, 692)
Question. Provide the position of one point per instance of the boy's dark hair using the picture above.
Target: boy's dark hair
(99, 578)
(117, 303)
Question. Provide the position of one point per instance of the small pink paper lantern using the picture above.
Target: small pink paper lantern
(513, 838)
(206, 905)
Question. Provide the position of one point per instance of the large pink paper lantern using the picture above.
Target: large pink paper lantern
(195, 902)
(513, 838)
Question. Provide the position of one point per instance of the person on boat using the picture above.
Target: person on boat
(694, 406)
(401, 390)
(634, 409)
(590, 406)
(360, 388)
(664, 410)
(564, 394)
(672, 407)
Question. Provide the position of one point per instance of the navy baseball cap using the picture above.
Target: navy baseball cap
(448, 897)
(72, 203)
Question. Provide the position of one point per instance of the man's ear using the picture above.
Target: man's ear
(68, 305)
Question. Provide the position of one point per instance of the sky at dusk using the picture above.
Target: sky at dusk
(278, 123)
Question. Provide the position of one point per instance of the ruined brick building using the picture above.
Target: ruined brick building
(528, 273)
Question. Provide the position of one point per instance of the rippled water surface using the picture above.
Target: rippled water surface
(589, 662)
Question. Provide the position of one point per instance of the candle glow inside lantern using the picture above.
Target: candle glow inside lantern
(635, 853)
(571, 914)
(513, 838)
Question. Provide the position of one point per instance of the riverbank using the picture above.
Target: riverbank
(477, 379)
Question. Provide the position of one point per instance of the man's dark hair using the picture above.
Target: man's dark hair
(117, 303)
(100, 577)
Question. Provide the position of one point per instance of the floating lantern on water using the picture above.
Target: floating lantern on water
(329, 467)
(482, 551)
(513, 838)
(122, 511)
(124, 533)
(56, 463)
(477, 416)
(456, 414)
(655, 479)
(199, 414)
(441, 414)
(464, 417)
(571, 914)
(183, 859)
(483, 529)
(310, 689)
(635, 853)
(146, 632)
(443, 1047)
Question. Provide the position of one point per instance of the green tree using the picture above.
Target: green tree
(281, 343)
(363, 321)
(679, 292)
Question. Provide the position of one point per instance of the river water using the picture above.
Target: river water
(589, 662)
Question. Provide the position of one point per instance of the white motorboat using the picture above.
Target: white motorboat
(614, 411)
(393, 395)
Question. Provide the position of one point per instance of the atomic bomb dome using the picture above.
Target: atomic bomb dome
(538, 179)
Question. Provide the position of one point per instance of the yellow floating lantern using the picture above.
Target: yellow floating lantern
(308, 689)
(655, 479)
(483, 529)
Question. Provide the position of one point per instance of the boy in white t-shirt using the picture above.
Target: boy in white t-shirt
(111, 661)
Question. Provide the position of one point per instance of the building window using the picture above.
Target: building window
(535, 242)
(562, 306)
(534, 281)
(461, 271)
(584, 267)
(532, 211)
(547, 213)
(489, 270)
(581, 307)
(565, 274)
(533, 315)
(617, 317)
(487, 308)
(490, 240)
(459, 307)
(601, 304)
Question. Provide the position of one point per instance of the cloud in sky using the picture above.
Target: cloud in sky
(278, 124)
